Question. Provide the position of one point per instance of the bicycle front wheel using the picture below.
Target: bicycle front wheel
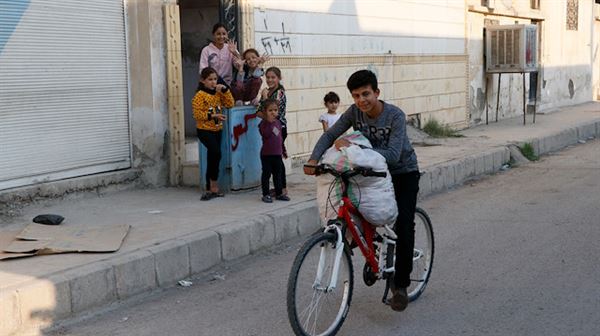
(422, 255)
(314, 306)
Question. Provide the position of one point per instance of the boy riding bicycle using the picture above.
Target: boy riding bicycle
(385, 126)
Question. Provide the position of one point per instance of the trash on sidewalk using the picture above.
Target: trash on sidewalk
(581, 141)
(155, 212)
(48, 219)
(218, 276)
(6, 238)
(185, 283)
(505, 167)
(38, 239)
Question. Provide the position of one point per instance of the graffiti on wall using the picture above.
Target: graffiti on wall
(276, 43)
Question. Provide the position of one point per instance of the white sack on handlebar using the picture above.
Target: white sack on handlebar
(374, 196)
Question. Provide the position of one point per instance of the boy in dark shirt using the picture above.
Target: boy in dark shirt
(271, 152)
(385, 126)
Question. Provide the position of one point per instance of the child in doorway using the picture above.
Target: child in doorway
(270, 129)
(206, 106)
(332, 101)
(275, 90)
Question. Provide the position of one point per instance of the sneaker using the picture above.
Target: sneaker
(399, 299)
(267, 199)
(282, 198)
(207, 196)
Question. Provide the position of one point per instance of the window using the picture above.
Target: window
(535, 4)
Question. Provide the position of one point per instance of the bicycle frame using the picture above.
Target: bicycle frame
(365, 244)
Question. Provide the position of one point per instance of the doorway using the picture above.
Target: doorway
(197, 20)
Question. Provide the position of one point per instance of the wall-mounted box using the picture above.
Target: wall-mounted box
(511, 48)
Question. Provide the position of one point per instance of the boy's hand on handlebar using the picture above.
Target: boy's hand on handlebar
(310, 167)
(340, 143)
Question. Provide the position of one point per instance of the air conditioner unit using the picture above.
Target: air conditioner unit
(511, 48)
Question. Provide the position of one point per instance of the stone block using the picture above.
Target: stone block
(262, 232)
(171, 261)
(235, 240)
(586, 131)
(460, 171)
(309, 220)
(437, 179)
(44, 301)
(425, 184)
(498, 158)
(134, 273)
(91, 286)
(10, 319)
(488, 162)
(448, 172)
(479, 161)
(285, 223)
(205, 250)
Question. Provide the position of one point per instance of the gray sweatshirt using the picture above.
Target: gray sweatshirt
(387, 134)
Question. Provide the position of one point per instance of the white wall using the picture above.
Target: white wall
(330, 27)
(565, 57)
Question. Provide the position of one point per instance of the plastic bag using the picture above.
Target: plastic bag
(373, 196)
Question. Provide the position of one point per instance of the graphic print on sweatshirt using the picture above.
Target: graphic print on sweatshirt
(379, 136)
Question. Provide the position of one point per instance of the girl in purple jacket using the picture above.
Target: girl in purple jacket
(270, 129)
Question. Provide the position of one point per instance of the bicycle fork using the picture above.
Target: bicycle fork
(323, 257)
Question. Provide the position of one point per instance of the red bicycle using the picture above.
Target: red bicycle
(321, 281)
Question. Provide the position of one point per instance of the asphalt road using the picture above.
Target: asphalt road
(516, 254)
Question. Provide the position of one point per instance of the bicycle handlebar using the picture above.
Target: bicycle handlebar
(323, 168)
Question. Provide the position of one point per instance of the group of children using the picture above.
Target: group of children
(219, 87)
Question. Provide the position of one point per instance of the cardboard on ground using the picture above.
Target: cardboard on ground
(38, 239)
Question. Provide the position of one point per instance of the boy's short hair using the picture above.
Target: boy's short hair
(362, 78)
(331, 97)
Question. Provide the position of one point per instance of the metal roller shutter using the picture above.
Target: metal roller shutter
(63, 90)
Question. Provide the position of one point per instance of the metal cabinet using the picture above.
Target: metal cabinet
(240, 166)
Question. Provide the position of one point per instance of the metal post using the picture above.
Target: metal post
(498, 97)
(486, 98)
(524, 101)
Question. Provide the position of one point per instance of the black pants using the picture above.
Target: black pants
(271, 165)
(283, 177)
(406, 187)
(212, 141)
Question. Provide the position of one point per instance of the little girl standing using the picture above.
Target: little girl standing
(276, 91)
(206, 106)
(270, 129)
(332, 101)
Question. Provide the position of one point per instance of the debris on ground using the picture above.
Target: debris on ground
(185, 283)
(218, 276)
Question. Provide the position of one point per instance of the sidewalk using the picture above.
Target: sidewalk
(174, 234)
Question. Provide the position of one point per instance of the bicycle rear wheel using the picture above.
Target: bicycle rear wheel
(423, 255)
(313, 309)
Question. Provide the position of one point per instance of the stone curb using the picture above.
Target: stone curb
(41, 302)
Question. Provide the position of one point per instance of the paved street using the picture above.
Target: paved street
(516, 254)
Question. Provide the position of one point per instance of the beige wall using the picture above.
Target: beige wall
(565, 57)
(148, 89)
(428, 86)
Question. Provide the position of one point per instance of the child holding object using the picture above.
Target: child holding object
(207, 105)
(270, 129)
(332, 102)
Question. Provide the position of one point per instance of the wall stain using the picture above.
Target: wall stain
(571, 88)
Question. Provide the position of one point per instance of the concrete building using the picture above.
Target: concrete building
(568, 38)
(102, 98)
